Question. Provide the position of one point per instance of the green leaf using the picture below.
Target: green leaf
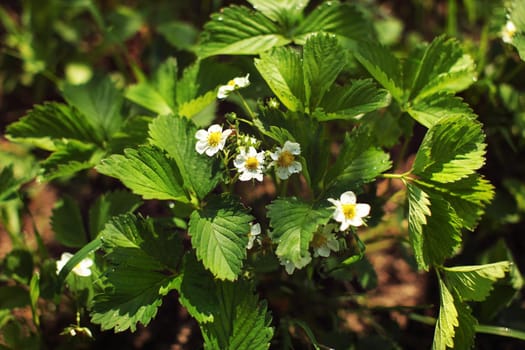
(100, 101)
(433, 227)
(447, 320)
(343, 19)
(176, 136)
(159, 94)
(468, 197)
(67, 223)
(358, 162)
(219, 234)
(452, 149)
(134, 132)
(323, 60)
(146, 171)
(54, 121)
(109, 205)
(443, 68)
(475, 282)
(465, 333)
(294, 223)
(383, 66)
(237, 30)
(13, 297)
(140, 253)
(70, 157)
(280, 11)
(242, 321)
(8, 184)
(192, 108)
(282, 70)
(181, 35)
(350, 101)
(197, 290)
(431, 109)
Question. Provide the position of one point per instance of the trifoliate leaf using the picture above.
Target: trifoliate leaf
(140, 254)
(242, 322)
(280, 11)
(54, 121)
(358, 162)
(67, 223)
(447, 320)
(237, 30)
(219, 234)
(352, 100)
(146, 171)
(443, 68)
(282, 70)
(70, 157)
(294, 223)
(109, 205)
(383, 66)
(343, 19)
(100, 101)
(176, 136)
(323, 60)
(452, 149)
(159, 94)
(433, 226)
(475, 282)
(431, 109)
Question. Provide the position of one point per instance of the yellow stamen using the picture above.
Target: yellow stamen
(349, 210)
(231, 83)
(214, 138)
(285, 159)
(251, 163)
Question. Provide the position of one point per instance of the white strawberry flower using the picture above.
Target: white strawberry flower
(83, 268)
(325, 241)
(284, 160)
(250, 164)
(212, 140)
(348, 212)
(234, 84)
(255, 231)
(508, 32)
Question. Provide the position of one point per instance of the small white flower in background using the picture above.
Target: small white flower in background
(250, 164)
(211, 141)
(255, 230)
(325, 241)
(284, 160)
(83, 268)
(508, 32)
(290, 267)
(348, 212)
(234, 84)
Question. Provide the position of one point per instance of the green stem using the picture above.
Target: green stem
(246, 106)
(480, 328)
(397, 176)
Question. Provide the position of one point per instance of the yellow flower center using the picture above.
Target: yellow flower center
(319, 240)
(214, 138)
(285, 159)
(251, 163)
(349, 210)
(231, 83)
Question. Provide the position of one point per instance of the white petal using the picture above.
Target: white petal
(201, 146)
(245, 176)
(362, 209)
(344, 225)
(334, 201)
(212, 150)
(226, 133)
(348, 197)
(282, 173)
(215, 128)
(258, 177)
(355, 221)
(295, 167)
(201, 135)
(339, 215)
(275, 155)
(292, 147)
(255, 229)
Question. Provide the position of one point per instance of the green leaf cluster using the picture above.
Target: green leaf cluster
(238, 30)
(446, 194)
(305, 82)
(424, 83)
